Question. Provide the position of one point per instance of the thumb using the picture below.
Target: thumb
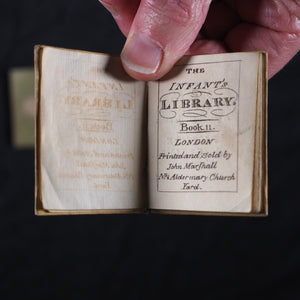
(161, 32)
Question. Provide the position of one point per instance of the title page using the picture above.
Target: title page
(201, 131)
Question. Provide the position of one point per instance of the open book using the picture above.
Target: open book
(193, 142)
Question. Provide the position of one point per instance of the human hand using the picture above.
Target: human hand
(159, 32)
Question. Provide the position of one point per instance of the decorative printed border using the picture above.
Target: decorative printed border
(237, 137)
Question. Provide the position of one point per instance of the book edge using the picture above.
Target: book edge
(264, 182)
(37, 74)
(207, 213)
(260, 171)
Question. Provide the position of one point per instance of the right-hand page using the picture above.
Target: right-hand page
(202, 134)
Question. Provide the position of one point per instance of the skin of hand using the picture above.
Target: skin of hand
(159, 32)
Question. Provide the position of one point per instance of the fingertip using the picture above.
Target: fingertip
(142, 76)
(142, 57)
(160, 35)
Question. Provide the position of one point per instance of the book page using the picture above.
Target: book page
(91, 121)
(201, 134)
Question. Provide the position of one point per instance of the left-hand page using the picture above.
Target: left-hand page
(89, 133)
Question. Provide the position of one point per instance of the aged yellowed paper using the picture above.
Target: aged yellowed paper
(91, 117)
(202, 133)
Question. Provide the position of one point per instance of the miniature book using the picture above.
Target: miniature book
(193, 142)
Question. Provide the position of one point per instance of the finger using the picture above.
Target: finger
(281, 46)
(279, 15)
(273, 26)
(162, 31)
(123, 11)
